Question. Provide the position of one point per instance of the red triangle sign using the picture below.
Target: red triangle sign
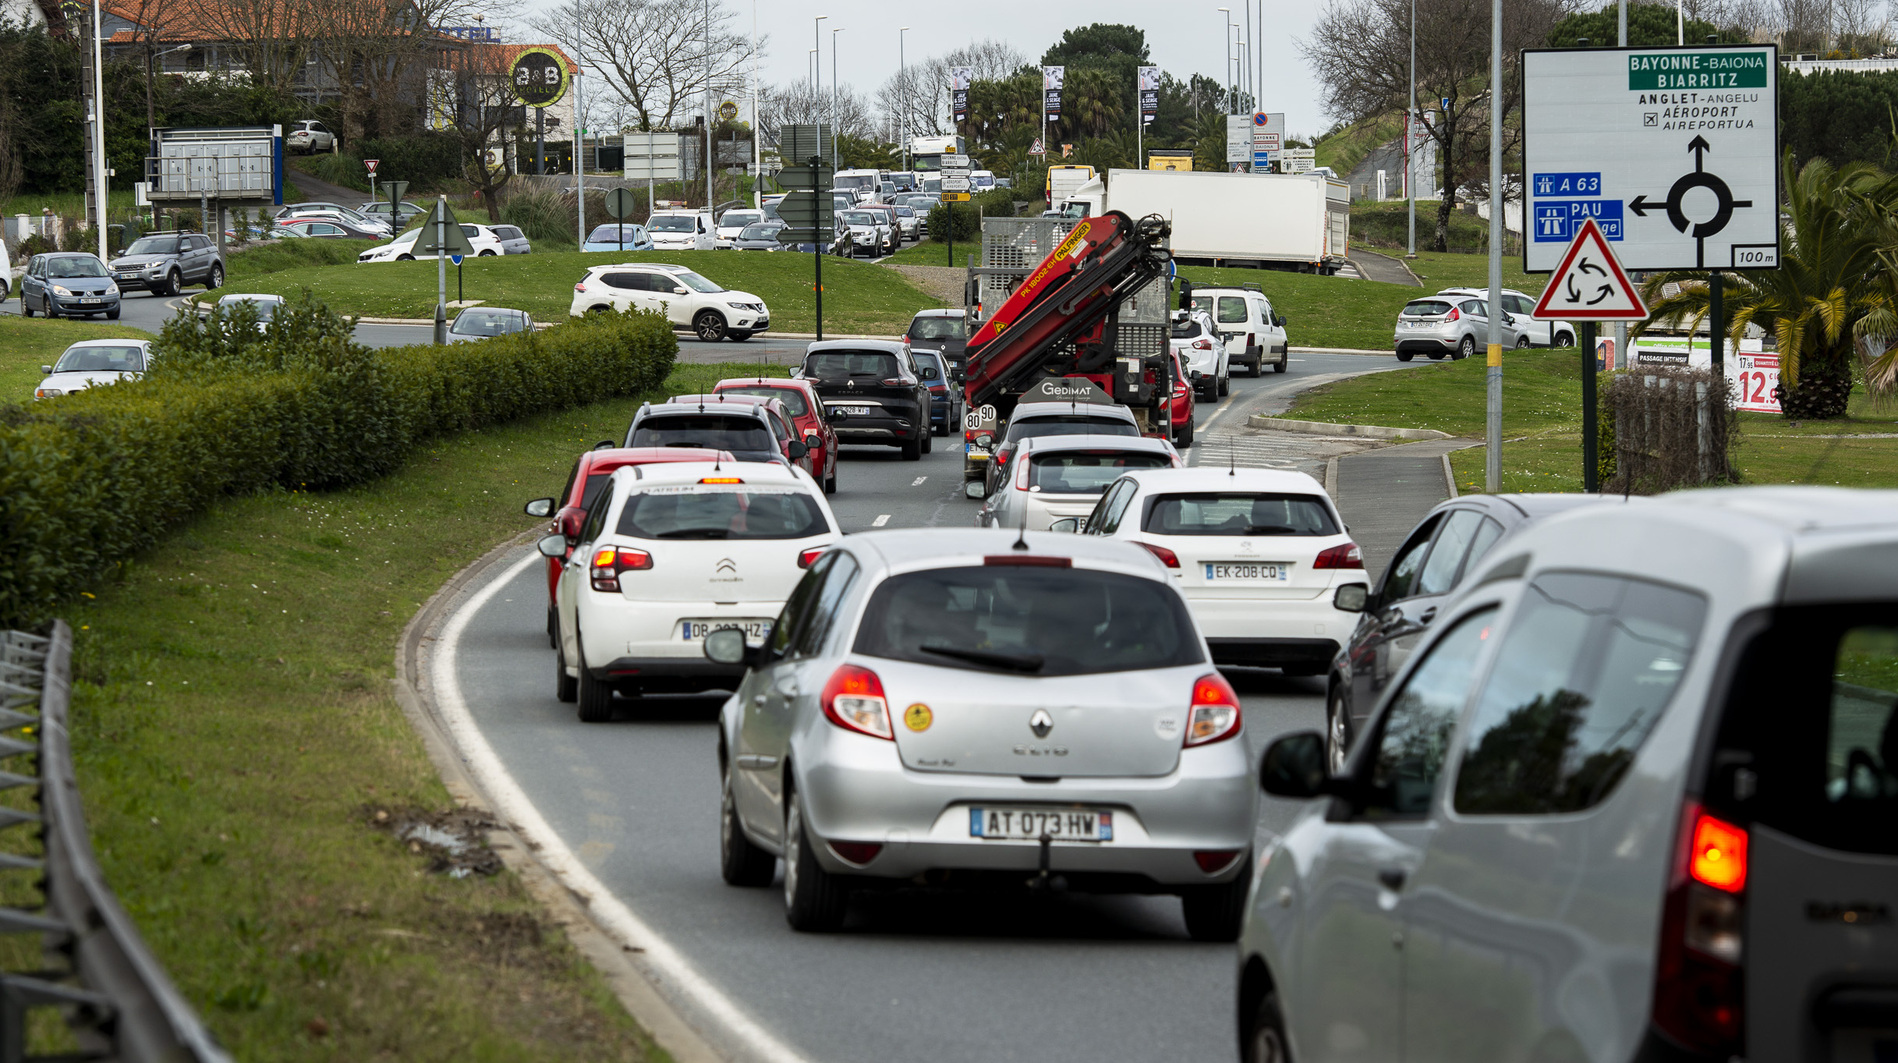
(1590, 284)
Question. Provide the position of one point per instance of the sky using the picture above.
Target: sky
(1183, 37)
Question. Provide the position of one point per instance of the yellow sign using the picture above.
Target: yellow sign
(1170, 162)
(955, 197)
(918, 717)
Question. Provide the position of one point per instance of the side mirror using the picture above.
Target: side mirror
(974, 489)
(1294, 766)
(727, 646)
(927, 373)
(552, 545)
(813, 441)
(539, 507)
(796, 449)
(676, 290)
(1068, 525)
(1351, 598)
(47, 370)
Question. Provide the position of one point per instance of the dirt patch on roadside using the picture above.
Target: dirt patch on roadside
(940, 282)
(455, 841)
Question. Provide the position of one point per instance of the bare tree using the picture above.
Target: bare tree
(271, 38)
(798, 101)
(1361, 52)
(472, 97)
(916, 101)
(377, 55)
(653, 54)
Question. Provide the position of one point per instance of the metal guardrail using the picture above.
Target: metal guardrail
(115, 996)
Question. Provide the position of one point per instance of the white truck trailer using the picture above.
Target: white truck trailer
(1273, 221)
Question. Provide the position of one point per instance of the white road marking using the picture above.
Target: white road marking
(918, 482)
(882, 519)
(514, 806)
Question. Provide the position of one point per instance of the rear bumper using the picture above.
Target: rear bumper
(1273, 652)
(1424, 344)
(669, 674)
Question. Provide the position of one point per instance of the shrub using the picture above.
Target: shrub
(543, 214)
(87, 480)
(1669, 428)
(423, 159)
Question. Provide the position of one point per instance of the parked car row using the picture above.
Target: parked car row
(1455, 323)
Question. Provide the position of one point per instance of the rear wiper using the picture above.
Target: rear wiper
(685, 443)
(696, 533)
(1013, 662)
(1269, 529)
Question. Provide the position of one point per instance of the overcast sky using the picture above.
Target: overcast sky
(1182, 35)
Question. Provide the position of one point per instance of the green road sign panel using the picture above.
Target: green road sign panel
(621, 202)
(793, 235)
(807, 209)
(806, 178)
(456, 242)
(800, 141)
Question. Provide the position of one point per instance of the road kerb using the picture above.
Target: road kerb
(1325, 428)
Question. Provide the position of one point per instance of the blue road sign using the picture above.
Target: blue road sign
(456, 259)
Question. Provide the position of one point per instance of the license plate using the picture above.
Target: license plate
(89, 299)
(1245, 571)
(1029, 824)
(853, 411)
(696, 630)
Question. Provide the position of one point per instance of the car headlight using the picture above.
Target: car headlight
(42, 393)
(111, 289)
(57, 290)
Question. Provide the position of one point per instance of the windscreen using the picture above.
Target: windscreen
(738, 219)
(854, 181)
(1426, 308)
(721, 511)
(696, 282)
(760, 232)
(937, 329)
(1028, 620)
(670, 223)
(842, 365)
(708, 430)
(76, 266)
(126, 359)
(265, 308)
(792, 398)
(1238, 513)
(1069, 425)
(858, 217)
(1086, 472)
(1186, 330)
(154, 245)
(611, 234)
(486, 323)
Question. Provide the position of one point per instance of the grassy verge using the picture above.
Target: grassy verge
(930, 252)
(275, 256)
(235, 734)
(27, 345)
(1385, 226)
(858, 297)
(1343, 150)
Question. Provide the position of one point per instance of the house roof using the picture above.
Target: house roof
(502, 56)
(221, 20)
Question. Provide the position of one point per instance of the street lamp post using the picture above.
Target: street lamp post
(833, 96)
(1410, 140)
(902, 87)
(817, 49)
(710, 112)
(1226, 60)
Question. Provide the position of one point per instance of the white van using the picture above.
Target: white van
(1253, 331)
(682, 230)
(860, 183)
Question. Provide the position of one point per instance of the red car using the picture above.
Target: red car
(800, 400)
(569, 509)
(1182, 412)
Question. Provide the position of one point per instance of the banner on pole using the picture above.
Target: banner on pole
(959, 78)
(1051, 79)
(1149, 93)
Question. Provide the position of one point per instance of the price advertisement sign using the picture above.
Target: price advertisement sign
(1757, 376)
(1752, 372)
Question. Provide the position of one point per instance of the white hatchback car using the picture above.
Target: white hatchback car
(91, 363)
(687, 299)
(682, 230)
(1060, 478)
(733, 222)
(1634, 799)
(1261, 555)
(668, 554)
(402, 249)
(1202, 354)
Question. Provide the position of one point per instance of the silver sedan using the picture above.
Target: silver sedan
(976, 708)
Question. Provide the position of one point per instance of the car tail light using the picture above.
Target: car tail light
(580, 287)
(1698, 976)
(610, 561)
(1167, 557)
(1203, 344)
(905, 339)
(1251, 338)
(1454, 314)
(854, 701)
(1213, 861)
(1344, 555)
(858, 853)
(720, 480)
(1215, 712)
(896, 382)
(807, 558)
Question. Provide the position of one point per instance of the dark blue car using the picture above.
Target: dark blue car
(945, 396)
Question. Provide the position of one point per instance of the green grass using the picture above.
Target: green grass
(1385, 226)
(858, 297)
(274, 256)
(931, 252)
(66, 204)
(1343, 150)
(26, 345)
(235, 731)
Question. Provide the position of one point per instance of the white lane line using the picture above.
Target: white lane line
(882, 519)
(918, 482)
(514, 805)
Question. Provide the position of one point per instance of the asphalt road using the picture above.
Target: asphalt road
(938, 974)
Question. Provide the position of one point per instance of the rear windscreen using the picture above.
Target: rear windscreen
(792, 398)
(937, 329)
(1086, 472)
(721, 511)
(1426, 308)
(840, 365)
(707, 430)
(1070, 425)
(1030, 621)
(1238, 513)
(1186, 330)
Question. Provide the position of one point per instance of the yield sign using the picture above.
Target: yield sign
(1590, 284)
(372, 164)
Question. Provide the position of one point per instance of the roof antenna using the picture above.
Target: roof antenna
(1021, 536)
(1232, 460)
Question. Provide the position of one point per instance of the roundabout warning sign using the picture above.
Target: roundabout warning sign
(1671, 152)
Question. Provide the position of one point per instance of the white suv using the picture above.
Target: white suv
(668, 554)
(688, 300)
(1253, 332)
(682, 230)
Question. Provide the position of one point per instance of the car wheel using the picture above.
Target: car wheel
(739, 335)
(486, 254)
(1214, 913)
(1564, 340)
(1522, 342)
(595, 695)
(26, 308)
(1466, 347)
(216, 277)
(174, 282)
(405, 258)
(1337, 731)
(739, 861)
(1284, 363)
(814, 900)
(47, 305)
(710, 325)
(913, 449)
(830, 481)
(112, 314)
(1225, 383)
(1185, 436)
(1265, 1040)
(1404, 356)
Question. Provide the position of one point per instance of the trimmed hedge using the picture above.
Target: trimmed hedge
(87, 480)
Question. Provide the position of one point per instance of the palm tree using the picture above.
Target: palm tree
(1832, 285)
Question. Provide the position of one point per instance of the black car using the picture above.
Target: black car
(945, 394)
(741, 427)
(162, 263)
(942, 332)
(872, 393)
(1424, 574)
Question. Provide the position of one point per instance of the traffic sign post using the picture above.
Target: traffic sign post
(1589, 285)
(619, 203)
(955, 189)
(808, 209)
(371, 164)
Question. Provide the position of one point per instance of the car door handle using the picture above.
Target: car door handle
(1427, 615)
(1391, 878)
(758, 699)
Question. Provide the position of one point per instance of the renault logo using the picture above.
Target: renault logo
(725, 564)
(1041, 723)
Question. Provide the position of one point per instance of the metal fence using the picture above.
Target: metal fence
(97, 971)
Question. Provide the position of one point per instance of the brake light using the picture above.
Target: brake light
(896, 382)
(853, 700)
(1029, 560)
(807, 558)
(1344, 555)
(610, 561)
(720, 480)
(1215, 713)
(1454, 314)
(1203, 344)
(1213, 861)
(1001, 457)
(1251, 338)
(1167, 557)
(1698, 976)
(580, 287)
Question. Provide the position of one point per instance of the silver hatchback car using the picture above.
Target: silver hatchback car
(1635, 799)
(1453, 325)
(973, 707)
